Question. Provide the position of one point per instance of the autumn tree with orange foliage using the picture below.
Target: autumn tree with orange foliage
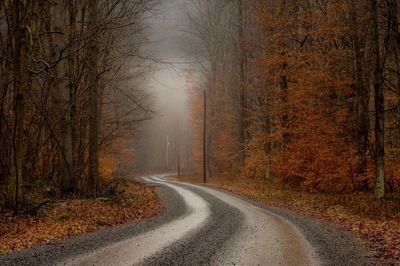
(216, 31)
(322, 95)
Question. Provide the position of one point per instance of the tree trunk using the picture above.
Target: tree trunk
(284, 86)
(362, 107)
(93, 54)
(62, 101)
(18, 154)
(210, 112)
(394, 22)
(242, 81)
(73, 87)
(268, 148)
(379, 106)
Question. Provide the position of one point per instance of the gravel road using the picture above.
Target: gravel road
(204, 226)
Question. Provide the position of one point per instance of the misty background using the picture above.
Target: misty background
(166, 138)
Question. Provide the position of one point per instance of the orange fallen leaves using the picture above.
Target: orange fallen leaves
(62, 219)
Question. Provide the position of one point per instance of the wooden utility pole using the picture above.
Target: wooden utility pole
(167, 153)
(179, 165)
(178, 147)
(205, 138)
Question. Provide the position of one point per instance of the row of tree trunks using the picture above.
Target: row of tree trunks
(58, 60)
(317, 70)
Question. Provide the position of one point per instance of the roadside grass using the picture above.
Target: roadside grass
(65, 218)
(377, 222)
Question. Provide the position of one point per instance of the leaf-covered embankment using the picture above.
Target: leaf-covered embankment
(62, 219)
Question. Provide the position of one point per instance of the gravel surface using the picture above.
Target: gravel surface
(332, 245)
(201, 246)
(55, 252)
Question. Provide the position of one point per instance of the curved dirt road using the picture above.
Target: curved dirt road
(204, 226)
(262, 237)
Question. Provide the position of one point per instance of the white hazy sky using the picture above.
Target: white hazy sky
(166, 42)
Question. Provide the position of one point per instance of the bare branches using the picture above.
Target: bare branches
(50, 71)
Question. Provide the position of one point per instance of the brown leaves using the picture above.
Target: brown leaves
(67, 218)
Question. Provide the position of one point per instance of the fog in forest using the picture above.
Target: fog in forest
(167, 134)
(278, 101)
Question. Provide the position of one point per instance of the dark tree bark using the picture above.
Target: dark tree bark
(93, 54)
(362, 101)
(16, 173)
(379, 105)
(62, 100)
(242, 80)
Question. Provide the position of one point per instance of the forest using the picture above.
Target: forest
(71, 94)
(292, 103)
(304, 92)
(302, 111)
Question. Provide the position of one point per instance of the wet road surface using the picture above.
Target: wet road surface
(255, 237)
(204, 226)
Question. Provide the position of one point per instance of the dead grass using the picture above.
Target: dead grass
(62, 219)
(377, 222)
